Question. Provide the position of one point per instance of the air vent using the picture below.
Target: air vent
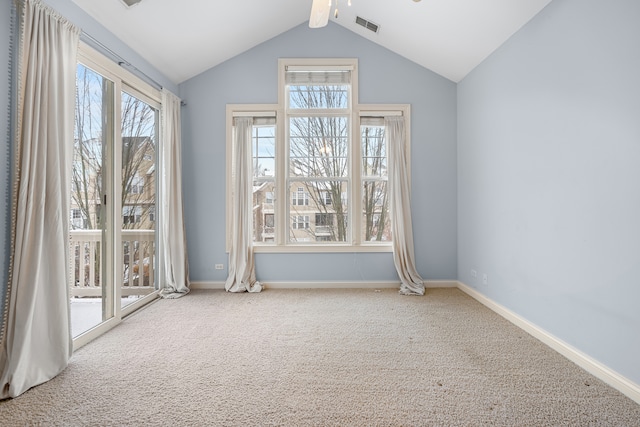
(130, 3)
(367, 24)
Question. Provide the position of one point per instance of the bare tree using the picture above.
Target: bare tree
(375, 198)
(138, 154)
(87, 166)
(319, 160)
(94, 123)
(319, 154)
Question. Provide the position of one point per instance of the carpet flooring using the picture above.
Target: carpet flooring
(320, 358)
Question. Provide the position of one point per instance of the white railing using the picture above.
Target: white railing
(85, 273)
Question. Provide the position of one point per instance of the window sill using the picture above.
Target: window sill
(283, 249)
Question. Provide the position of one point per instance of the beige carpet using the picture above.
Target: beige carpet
(324, 358)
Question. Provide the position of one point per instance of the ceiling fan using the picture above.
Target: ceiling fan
(320, 10)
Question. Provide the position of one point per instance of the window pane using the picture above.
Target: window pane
(376, 225)
(318, 211)
(318, 146)
(263, 212)
(374, 151)
(263, 186)
(264, 143)
(86, 183)
(140, 123)
(318, 96)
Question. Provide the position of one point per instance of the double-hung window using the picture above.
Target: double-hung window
(318, 113)
(319, 162)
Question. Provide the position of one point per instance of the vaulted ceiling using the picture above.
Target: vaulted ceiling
(186, 37)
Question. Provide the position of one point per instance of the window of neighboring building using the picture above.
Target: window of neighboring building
(137, 184)
(300, 222)
(268, 197)
(131, 215)
(324, 219)
(325, 198)
(269, 220)
(300, 197)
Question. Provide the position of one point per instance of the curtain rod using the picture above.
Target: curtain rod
(96, 44)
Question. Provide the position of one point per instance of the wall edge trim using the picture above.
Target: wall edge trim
(356, 284)
(589, 364)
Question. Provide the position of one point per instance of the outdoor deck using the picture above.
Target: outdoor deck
(85, 275)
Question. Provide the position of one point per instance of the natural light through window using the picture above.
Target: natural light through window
(319, 162)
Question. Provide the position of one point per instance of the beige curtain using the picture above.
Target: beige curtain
(242, 275)
(173, 256)
(38, 342)
(400, 197)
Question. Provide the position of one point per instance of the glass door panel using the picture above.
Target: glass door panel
(138, 198)
(91, 298)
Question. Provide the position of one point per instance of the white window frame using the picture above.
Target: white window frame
(282, 215)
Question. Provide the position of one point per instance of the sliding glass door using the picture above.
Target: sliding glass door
(113, 196)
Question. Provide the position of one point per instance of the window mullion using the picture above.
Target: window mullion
(282, 178)
(356, 181)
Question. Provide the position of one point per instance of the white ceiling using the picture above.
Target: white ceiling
(184, 38)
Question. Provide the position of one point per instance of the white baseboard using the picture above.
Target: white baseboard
(440, 284)
(595, 368)
(206, 285)
(332, 285)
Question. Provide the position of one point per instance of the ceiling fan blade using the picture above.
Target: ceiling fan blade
(320, 10)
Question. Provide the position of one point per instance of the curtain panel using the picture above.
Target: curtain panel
(242, 273)
(38, 343)
(172, 233)
(400, 197)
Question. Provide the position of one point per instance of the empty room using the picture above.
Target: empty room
(320, 212)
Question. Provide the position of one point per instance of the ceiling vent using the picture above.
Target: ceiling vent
(367, 24)
(130, 3)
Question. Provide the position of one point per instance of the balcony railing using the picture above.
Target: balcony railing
(138, 270)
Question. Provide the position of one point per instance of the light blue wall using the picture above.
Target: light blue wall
(549, 177)
(384, 77)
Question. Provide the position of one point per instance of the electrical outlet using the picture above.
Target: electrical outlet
(474, 274)
(219, 266)
(485, 279)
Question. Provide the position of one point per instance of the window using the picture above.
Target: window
(326, 154)
(268, 197)
(300, 222)
(318, 120)
(78, 220)
(268, 228)
(324, 219)
(268, 220)
(300, 197)
(131, 215)
(137, 185)
(376, 225)
(325, 198)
